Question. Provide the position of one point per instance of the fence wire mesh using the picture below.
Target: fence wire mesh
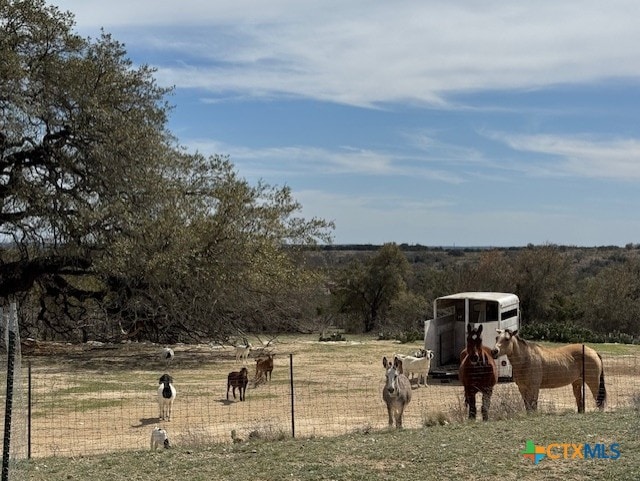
(96, 399)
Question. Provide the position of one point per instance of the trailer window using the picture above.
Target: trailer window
(483, 311)
(492, 311)
(509, 314)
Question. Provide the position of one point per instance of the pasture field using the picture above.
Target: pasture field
(95, 405)
(461, 451)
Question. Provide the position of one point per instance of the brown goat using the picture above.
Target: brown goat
(238, 380)
(264, 367)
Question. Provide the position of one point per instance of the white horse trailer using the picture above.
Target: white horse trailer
(446, 336)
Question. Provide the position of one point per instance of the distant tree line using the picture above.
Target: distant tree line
(565, 292)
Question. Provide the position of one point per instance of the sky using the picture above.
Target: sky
(440, 123)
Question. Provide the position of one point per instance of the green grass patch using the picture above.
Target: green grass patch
(55, 406)
(606, 349)
(617, 349)
(87, 389)
(94, 404)
(464, 451)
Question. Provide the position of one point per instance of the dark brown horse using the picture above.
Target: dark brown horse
(478, 372)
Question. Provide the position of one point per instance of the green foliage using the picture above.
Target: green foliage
(407, 337)
(569, 332)
(575, 286)
(565, 332)
(621, 338)
(367, 289)
(611, 298)
(540, 273)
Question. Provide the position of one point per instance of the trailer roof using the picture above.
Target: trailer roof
(502, 298)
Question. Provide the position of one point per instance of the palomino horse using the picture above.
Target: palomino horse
(536, 367)
(397, 391)
(478, 372)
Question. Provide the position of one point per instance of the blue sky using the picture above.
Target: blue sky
(434, 122)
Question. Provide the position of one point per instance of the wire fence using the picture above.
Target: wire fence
(77, 407)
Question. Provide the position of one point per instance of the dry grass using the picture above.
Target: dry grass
(110, 390)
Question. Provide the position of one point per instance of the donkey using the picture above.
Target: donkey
(397, 391)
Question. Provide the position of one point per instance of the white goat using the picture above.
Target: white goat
(419, 366)
(242, 352)
(419, 353)
(166, 396)
(167, 355)
(159, 437)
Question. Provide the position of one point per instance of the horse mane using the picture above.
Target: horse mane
(524, 342)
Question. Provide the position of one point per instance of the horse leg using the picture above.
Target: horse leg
(577, 393)
(486, 402)
(470, 400)
(595, 381)
(530, 398)
(534, 399)
(390, 413)
(399, 412)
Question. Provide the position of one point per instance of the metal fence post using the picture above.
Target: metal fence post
(583, 381)
(11, 348)
(29, 412)
(293, 414)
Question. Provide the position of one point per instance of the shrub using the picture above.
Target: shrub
(560, 332)
(334, 336)
(404, 337)
(569, 332)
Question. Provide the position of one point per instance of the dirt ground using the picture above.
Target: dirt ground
(93, 398)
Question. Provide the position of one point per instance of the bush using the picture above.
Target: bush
(567, 332)
(334, 336)
(621, 338)
(404, 337)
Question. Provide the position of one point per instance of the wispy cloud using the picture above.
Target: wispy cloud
(367, 53)
(432, 147)
(580, 156)
(294, 161)
(476, 114)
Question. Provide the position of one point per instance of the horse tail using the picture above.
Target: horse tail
(602, 391)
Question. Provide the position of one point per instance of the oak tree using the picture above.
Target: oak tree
(104, 216)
